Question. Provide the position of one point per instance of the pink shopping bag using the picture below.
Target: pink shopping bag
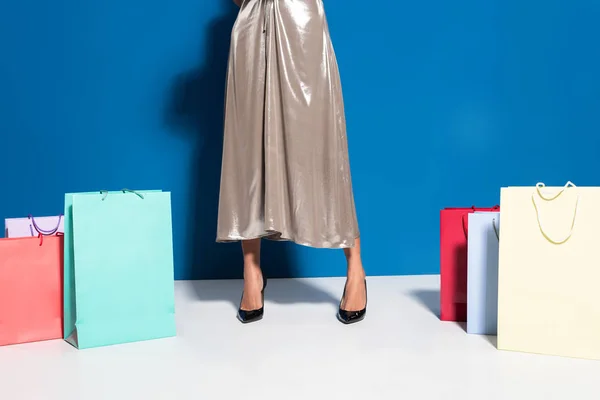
(31, 300)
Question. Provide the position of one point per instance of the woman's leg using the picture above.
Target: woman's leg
(253, 279)
(356, 296)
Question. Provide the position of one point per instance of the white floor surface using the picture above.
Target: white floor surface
(299, 351)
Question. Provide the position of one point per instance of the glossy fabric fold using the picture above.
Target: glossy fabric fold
(285, 172)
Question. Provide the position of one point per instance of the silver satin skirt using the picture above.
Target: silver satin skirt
(285, 172)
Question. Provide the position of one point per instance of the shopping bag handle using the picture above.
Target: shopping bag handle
(104, 193)
(466, 216)
(40, 230)
(495, 228)
(138, 194)
(538, 189)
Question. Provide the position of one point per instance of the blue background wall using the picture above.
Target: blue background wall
(446, 102)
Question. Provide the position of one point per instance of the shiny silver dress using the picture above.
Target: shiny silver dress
(285, 172)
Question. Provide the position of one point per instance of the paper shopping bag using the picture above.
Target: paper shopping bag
(482, 273)
(33, 227)
(549, 269)
(453, 262)
(30, 289)
(119, 283)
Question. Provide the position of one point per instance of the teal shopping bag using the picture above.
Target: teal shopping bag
(118, 275)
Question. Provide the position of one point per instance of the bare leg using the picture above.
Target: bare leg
(253, 279)
(356, 296)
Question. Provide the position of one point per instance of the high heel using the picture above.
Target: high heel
(351, 317)
(246, 317)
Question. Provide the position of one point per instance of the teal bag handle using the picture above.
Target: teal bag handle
(141, 196)
(125, 190)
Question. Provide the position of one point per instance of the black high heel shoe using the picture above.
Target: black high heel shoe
(351, 317)
(246, 317)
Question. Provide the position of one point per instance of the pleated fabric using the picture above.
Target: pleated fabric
(285, 172)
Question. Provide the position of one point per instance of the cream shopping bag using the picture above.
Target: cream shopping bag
(549, 271)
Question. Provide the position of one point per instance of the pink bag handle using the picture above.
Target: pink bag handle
(42, 231)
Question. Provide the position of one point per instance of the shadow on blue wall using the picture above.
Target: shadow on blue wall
(196, 111)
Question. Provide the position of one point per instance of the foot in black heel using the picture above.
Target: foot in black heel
(247, 316)
(351, 317)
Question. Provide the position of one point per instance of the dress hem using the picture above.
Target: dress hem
(277, 236)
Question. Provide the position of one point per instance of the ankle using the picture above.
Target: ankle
(356, 271)
(252, 271)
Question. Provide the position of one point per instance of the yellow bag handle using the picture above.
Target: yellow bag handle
(539, 186)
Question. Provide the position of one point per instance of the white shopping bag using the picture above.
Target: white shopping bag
(549, 271)
(33, 226)
(482, 273)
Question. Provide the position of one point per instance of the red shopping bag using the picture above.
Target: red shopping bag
(30, 289)
(453, 262)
